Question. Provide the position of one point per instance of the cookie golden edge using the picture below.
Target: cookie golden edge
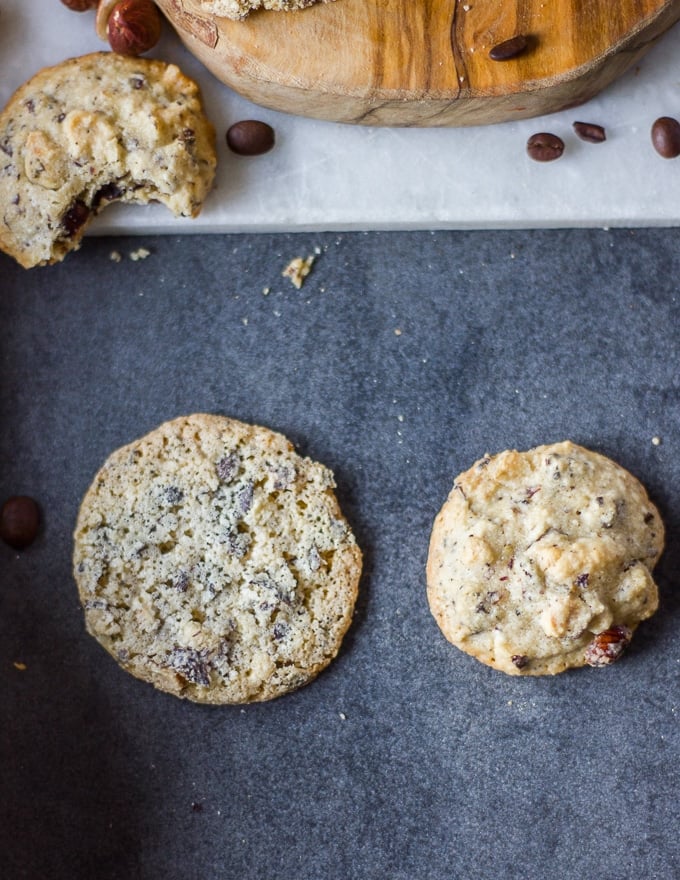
(581, 654)
(12, 156)
(349, 568)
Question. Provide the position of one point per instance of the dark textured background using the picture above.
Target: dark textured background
(403, 359)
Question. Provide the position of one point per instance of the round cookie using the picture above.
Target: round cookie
(214, 562)
(540, 561)
(93, 130)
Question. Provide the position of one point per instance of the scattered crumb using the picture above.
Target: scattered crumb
(196, 807)
(656, 441)
(140, 254)
(342, 715)
(397, 331)
(244, 321)
(466, 7)
(19, 665)
(298, 269)
(400, 418)
(115, 256)
(266, 291)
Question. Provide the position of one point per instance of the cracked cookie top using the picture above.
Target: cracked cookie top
(541, 560)
(214, 562)
(93, 130)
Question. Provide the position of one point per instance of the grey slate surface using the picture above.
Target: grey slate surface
(404, 357)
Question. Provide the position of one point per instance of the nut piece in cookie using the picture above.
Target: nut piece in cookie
(93, 130)
(541, 561)
(214, 562)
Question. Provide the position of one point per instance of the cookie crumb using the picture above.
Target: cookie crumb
(115, 256)
(19, 665)
(266, 291)
(140, 254)
(342, 715)
(298, 269)
(397, 331)
(656, 441)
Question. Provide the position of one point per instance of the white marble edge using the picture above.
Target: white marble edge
(324, 176)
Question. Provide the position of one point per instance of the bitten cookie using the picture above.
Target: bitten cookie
(93, 130)
(540, 561)
(237, 9)
(214, 562)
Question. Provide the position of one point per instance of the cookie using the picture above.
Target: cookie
(540, 561)
(214, 562)
(93, 130)
(238, 9)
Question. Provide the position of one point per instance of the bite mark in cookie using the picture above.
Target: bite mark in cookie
(93, 130)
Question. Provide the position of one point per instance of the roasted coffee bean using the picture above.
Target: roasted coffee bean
(545, 147)
(666, 137)
(250, 137)
(509, 48)
(589, 131)
(19, 521)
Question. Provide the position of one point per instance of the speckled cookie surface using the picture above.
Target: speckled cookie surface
(95, 129)
(214, 562)
(540, 561)
(237, 9)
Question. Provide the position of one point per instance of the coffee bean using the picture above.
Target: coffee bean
(545, 147)
(666, 137)
(589, 131)
(509, 48)
(19, 521)
(250, 137)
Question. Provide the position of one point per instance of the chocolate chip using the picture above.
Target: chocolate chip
(545, 147)
(245, 497)
(250, 137)
(227, 467)
(509, 48)
(590, 131)
(173, 495)
(520, 660)
(75, 218)
(191, 664)
(19, 521)
(107, 193)
(666, 137)
(181, 582)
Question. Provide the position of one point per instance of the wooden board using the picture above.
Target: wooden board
(424, 62)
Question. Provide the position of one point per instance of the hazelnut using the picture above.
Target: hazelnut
(134, 27)
(101, 24)
(79, 5)
(607, 646)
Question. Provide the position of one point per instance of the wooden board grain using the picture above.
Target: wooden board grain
(424, 62)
